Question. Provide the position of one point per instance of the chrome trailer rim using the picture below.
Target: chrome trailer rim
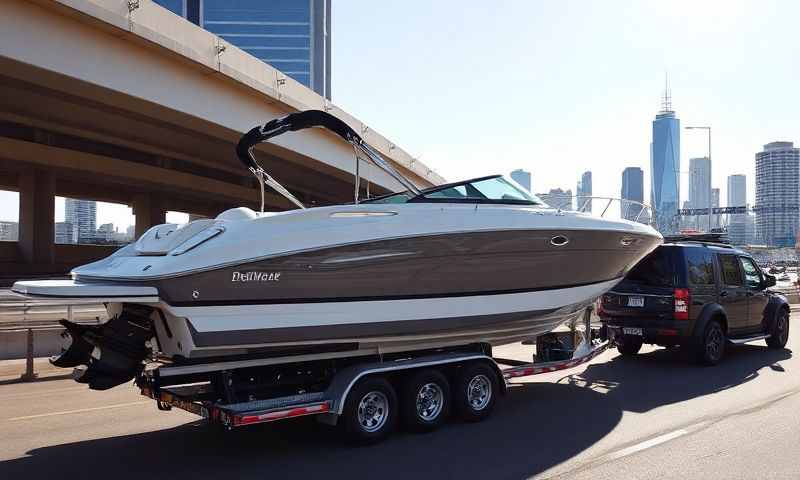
(373, 411)
(430, 401)
(479, 392)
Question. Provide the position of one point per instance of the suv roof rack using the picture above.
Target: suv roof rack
(715, 239)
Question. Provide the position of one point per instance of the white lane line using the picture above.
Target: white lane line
(41, 393)
(81, 410)
(652, 442)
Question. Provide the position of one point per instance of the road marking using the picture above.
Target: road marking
(41, 393)
(647, 444)
(81, 410)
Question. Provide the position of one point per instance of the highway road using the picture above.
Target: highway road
(654, 416)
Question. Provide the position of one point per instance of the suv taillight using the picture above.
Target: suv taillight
(682, 300)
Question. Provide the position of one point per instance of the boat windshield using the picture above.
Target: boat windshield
(494, 189)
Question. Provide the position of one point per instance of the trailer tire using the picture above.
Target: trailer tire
(370, 411)
(425, 400)
(475, 391)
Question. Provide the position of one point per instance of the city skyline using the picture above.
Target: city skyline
(552, 110)
(565, 116)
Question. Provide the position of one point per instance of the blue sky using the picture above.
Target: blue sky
(559, 87)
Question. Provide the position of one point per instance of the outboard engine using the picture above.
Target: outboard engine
(110, 354)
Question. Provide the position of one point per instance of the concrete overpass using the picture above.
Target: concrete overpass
(122, 101)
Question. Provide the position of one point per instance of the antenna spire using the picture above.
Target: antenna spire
(666, 100)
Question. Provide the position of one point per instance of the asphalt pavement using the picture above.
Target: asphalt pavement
(653, 416)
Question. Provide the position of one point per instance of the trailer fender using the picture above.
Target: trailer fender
(344, 381)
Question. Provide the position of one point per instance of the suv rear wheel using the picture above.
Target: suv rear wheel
(780, 332)
(710, 348)
(628, 345)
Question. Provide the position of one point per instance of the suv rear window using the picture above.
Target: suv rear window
(655, 269)
(700, 266)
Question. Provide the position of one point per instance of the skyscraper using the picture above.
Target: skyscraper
(82, 215)
(291, 35)
(699, 182)
(715, 222)
(737, 197)
(523, 177)
(665, 166)
(778, 193)
(584, 191)
(633, 190)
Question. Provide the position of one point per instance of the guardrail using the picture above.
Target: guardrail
(44, 315)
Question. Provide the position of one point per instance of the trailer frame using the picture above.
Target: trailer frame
(328, 405)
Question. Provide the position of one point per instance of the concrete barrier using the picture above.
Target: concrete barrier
(14, 343)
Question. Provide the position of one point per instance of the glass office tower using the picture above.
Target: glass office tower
(291, 35)
(778, 194)
(523, 177)
(665, 166)
(632, 189)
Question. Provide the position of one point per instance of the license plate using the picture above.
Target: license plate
(636, 301)
(632, 331)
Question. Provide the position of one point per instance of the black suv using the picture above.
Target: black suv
(699, 295)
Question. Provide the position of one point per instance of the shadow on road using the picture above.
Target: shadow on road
(664, 376)
(536, 427)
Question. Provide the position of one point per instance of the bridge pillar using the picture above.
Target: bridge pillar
(148, 212)
(37, 216)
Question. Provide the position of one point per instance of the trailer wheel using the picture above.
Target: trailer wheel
(425, 400)
(475, 388)
(370, 411)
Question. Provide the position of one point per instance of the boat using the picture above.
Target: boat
(480, 261)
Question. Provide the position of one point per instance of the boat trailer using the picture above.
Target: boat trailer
(228, 410)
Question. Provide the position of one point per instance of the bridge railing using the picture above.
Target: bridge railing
(31, 316)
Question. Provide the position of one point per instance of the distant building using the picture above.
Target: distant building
(584, 191)
(523, 177)
(294, 36)
(105, 232)
(715, 221)
(688, 222)
(699, 182)
(751, 232)
(632, 190)
(558, 198)
(82, 214)
(9, 231)
(778, 193)
(737, 197)
(66, 233)
(665, 166)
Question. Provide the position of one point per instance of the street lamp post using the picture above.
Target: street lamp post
(710, 189)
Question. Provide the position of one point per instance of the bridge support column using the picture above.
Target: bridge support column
(37, 216)
(148, 212)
